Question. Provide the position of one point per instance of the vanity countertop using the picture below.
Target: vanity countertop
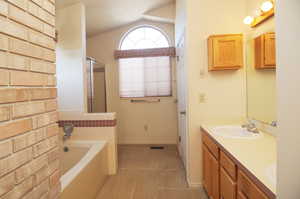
(256, 155)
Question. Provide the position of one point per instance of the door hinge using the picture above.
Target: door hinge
(179, 138)
(177, 57)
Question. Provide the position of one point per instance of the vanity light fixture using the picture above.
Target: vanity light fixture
(248, 20)
(267, 6)
(265, 11)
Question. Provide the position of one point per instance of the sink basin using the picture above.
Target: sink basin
(271, 174)
(235, 132)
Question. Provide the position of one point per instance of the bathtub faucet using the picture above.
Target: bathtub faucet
(68, 130)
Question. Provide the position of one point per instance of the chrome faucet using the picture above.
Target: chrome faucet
(68, 130)
(251, 127)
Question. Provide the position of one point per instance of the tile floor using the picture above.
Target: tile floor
(149, 174)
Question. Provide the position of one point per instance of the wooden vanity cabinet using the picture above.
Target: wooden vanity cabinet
(248, 188)
(265, 51)
(210, 173)
(223, 177)
(225, 52)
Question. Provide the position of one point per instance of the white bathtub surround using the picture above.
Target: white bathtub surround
(108, 134)
(88, 175)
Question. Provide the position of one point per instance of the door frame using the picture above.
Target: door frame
(182, 39)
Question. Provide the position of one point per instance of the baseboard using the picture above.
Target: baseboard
(194, 184)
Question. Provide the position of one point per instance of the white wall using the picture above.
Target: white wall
(161, 118)
(288, 43)
(71, 56)
(225, 91)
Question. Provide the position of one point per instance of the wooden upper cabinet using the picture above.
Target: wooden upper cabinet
(225, 52)
(265, 51)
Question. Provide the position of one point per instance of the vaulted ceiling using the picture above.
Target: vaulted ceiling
(103, 15)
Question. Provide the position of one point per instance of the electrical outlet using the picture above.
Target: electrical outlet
(202, 98)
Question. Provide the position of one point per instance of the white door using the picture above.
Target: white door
(182, 100)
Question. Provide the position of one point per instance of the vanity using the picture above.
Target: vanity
(238, 164)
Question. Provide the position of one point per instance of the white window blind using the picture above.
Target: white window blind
(145, 77)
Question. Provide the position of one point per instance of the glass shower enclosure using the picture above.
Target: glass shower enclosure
(96, 86)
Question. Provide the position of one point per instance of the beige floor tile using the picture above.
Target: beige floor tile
(149, 174)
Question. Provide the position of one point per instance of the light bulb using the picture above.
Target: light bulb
(248, 20)
(266, 6)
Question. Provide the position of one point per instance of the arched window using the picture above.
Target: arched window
(144, 37)
(146, 71)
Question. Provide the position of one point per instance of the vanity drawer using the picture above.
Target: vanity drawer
(228, 165)
(211, 145)
(248, 188)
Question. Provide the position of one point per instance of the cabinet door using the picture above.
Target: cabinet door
(227, 186)
(210, 174)
(206, 170)
(227, 52)
(215, 191)
(248, 188)
(241, 196)
(270, 49)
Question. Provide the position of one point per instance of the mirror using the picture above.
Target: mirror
(261, 74)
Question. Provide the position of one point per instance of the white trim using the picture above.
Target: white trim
(194, 184)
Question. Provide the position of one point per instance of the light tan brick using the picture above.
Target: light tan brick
(49, 7)
(22, 141)
(3, 58)
(19, 47)
(7, 183)
(49, 30)
(19, 3)
(33, 8)
(53, 166)
(3, 8)
(46, 17)
(41, 93)
(41, 175)
(13, 29)
(54, 192)
(51, 105)
(38, 2)
(54, 154)
(49, 55)
(54, 178)
(14, 161)
(9, 129)
(4, 113)
(38, 192)
(17, 14)
(10, 95)
(41, 39)
(4, 77)
(3, 42)
(21, 78)
(35, 23)
(44, 146)
(5, 148)
(45, 119)
(20, 190)
(27, 109)
(30, 168)
(40, 134)
(52, 130)
(51, 80)
(42, 66)
(18, 62)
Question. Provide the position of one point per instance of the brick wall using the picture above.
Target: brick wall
(29, 164)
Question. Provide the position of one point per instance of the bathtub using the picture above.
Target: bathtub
(84, 169)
